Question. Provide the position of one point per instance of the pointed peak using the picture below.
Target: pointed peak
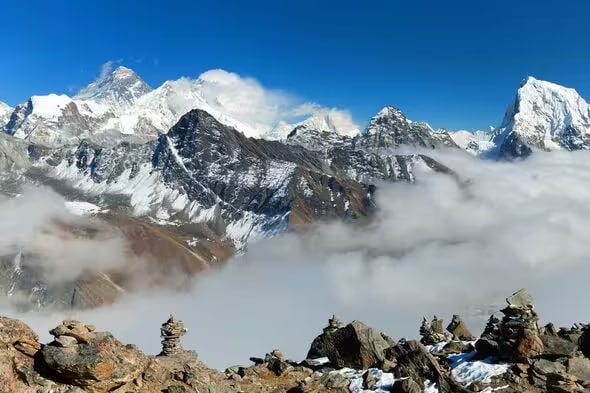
(527, 80)
(116, 87)
(389, 111)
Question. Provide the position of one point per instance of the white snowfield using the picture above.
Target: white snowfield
(475, 143)
(81, 208)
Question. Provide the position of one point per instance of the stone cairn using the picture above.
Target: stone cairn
(333, 325)
(71, 333)
(517, 333)
(459, 329)
(432, 332)
(171, 332)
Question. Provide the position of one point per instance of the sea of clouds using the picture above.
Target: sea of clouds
(440, 246)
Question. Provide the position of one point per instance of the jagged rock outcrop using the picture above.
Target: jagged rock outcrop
(355, 345)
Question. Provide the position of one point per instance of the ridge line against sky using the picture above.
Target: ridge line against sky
(454, 64)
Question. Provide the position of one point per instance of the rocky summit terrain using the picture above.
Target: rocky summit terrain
(513, 354)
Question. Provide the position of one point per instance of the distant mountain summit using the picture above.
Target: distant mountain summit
(390, 128)
(544, 116)
(119, 88)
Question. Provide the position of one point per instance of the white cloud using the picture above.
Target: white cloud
(263, 109)
(38, 225)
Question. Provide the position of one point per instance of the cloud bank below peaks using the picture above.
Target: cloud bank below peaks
(439, 246)
(269, 113)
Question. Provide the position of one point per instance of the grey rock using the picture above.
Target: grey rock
(355, 345)
(544, 367)
(557, 347)
(521, 298)
(65, 341)
(580, 368)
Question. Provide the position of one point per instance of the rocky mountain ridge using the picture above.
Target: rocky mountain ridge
(513, 354)
(202, 183)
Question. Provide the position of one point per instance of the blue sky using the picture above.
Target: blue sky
(455, 64)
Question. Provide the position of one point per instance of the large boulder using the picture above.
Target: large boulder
(96, 361)
(13, 331)
(355, 345)
(556, 347)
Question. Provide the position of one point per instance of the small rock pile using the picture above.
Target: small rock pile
(72, 332)
(459, 330)
(432, 332)
(333, 325)
(171, 332)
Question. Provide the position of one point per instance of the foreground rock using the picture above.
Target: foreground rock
(355, 345)
(513, 354)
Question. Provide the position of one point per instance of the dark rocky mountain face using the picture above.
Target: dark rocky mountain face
(203, 171)
(391, 128)
(208, 188)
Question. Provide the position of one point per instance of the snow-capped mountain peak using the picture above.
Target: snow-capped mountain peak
(544, 116)
(120, 87)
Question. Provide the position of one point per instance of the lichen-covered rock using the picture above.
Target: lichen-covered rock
(98, 363)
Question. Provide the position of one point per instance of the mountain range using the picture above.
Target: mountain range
(171, 167)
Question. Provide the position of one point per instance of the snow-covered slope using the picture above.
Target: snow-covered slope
(324, 120)
(544, 116)
(5, 111)
(475, 143)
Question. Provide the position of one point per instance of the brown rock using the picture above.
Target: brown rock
(458, 328)
(73, 329)
(28, 347)
(99, 365)
(530, 346)
(13, 330)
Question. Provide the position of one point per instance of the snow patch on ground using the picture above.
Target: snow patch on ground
(384, 380)
(466, 371)
(81, 208)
